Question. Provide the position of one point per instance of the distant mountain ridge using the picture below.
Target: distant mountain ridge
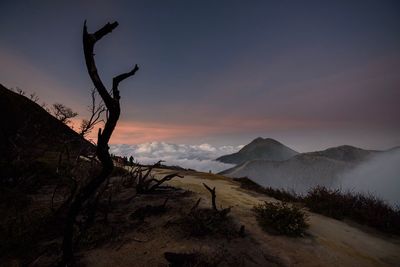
(345, 153)
(260, 149)
(298, 173)
(303, 170)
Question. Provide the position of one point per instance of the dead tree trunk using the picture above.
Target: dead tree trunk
(223, 212)
(213, 196)
(111, 101)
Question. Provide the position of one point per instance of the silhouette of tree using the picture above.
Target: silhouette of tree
(111, 101)
(63, 113)
(96, 110)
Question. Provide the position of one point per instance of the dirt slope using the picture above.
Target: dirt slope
(329, 243)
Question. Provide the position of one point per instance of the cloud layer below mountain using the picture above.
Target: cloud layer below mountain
(379, 176)
(198, 157)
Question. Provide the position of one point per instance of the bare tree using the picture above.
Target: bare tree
(45, 107)
(222, 212)
(96, 110)
(20, 91)
(213, 196)
(111, 101)
(34, 97)
(63, 113)
(143, 180)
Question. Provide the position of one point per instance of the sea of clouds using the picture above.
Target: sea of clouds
(198, 157)
(379, 176)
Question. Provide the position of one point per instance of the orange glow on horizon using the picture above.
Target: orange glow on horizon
(129, 132)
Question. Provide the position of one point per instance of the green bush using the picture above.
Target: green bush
(281, 218)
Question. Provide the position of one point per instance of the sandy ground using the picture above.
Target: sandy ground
(329, 242)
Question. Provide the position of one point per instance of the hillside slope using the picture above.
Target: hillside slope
(260, 149)
(28, 129)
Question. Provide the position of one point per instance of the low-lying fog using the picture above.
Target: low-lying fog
(380, 175)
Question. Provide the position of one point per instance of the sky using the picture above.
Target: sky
(311, 74)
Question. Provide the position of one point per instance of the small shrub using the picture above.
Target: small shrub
(209, 222)
(280, 194)
(281, 218)
(330, 203)
(364, 209)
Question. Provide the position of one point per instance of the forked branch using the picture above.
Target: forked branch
(166, 178)
(113, 109)
(120, 78)
(96, 110)
(224, 211)
(213, 196)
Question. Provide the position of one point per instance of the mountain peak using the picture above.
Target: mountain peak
(260, 148)
(259, 140)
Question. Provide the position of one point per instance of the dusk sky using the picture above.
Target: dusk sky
(311, 74)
